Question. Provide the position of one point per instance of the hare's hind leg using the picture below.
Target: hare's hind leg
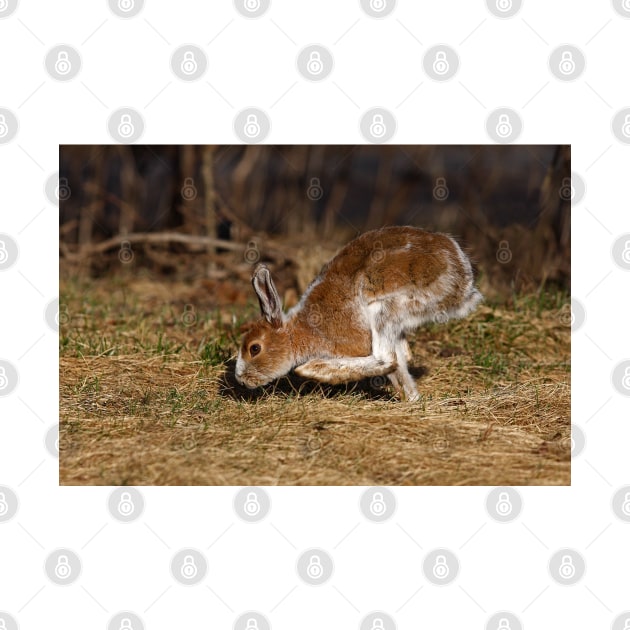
(389, 340)
(401, 379)
(344, 369)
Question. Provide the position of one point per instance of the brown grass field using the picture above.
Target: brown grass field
(148, 397)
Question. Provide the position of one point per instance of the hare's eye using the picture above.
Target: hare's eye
(254, 349)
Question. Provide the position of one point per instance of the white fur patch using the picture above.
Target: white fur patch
(240, 366)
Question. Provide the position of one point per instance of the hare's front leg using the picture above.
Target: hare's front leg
(344, 369)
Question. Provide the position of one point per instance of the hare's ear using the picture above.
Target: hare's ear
(268, 297)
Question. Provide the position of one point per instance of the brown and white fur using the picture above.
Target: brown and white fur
(352, 321)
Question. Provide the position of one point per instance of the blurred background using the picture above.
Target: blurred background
(214, 211)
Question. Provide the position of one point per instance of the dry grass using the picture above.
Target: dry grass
(146, 399)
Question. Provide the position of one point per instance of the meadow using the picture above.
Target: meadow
(148, 397)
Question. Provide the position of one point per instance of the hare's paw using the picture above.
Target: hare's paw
(342, 370)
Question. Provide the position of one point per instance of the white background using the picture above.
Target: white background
(252, 63)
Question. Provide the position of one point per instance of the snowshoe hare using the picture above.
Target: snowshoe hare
(352, 320)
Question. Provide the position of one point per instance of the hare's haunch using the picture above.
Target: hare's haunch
(352, 320)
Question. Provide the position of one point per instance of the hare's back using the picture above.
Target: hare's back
(382, 262)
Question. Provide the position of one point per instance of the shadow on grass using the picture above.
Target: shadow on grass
(376, 388)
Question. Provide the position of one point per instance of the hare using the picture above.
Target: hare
(352, 321)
